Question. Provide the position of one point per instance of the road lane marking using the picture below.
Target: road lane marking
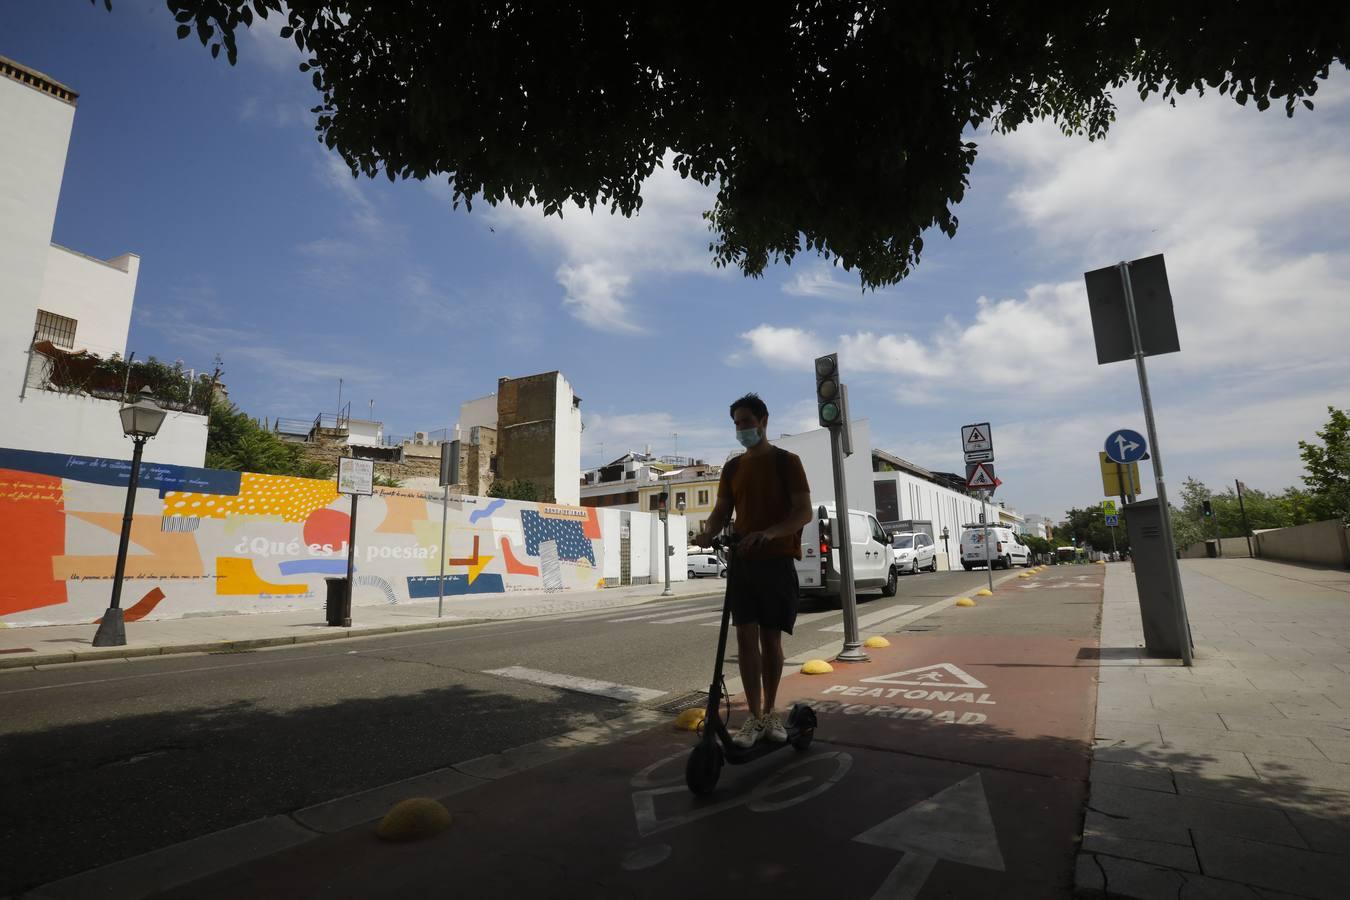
(872, 619)
(577, 683)
(620, 610)
(705, 614)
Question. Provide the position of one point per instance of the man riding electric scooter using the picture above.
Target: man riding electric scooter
(766, 488)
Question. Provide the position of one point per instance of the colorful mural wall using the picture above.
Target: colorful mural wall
(210, 541)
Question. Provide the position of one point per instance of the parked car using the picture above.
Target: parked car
(818, 571)
(702, 563)
(914, 552)
(1006, 550)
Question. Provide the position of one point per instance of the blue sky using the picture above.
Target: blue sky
(258, 245)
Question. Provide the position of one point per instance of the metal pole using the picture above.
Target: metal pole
(1218, 541)
(112, 629)
(852, 650)
(988, 562)
(665, 522)
(440, 585)
(1246, 526)
(1183, 621)
(351, 564)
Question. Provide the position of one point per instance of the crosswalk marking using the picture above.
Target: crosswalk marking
(705, 614)
(665, 612)
(577, 683)
(873, 618)
(618, 610)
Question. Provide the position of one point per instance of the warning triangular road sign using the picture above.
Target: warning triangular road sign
(982, 477)
(975, 435)
(937, 675)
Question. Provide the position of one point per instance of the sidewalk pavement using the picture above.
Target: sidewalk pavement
(58, 644)
(1231, 778)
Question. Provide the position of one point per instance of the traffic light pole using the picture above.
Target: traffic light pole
(1164, 510)
(852, 650)
(988, 559)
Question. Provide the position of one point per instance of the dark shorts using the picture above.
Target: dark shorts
(763, 592)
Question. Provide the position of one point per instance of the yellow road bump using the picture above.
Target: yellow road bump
(965, 601)
(413, 819)
(690, 719)
(876, 641)
(817, 667)
(1024, 575)
(984, 592)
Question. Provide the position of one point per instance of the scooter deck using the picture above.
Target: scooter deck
(763, 747)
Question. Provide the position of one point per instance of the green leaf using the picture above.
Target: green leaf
(184, 31)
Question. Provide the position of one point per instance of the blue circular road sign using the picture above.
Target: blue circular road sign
(1125, 446)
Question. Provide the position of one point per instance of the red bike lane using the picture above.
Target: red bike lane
(950, 765)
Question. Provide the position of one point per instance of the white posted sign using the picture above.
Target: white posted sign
(977, 437)
(356, 476)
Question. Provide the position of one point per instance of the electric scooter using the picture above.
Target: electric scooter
(714, 746)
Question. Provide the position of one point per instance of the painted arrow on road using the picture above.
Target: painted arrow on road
(953, 824)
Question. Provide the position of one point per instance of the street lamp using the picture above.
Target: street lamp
(140, 422)
(946, 534)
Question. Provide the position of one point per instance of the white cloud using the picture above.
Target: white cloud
(338, 175)
(249, 110)
(777, 348)
(604, 255)
(891, 354)
(821, 280)
(264, 42)
(609, 436)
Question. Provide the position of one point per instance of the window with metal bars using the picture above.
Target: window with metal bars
(57, 329)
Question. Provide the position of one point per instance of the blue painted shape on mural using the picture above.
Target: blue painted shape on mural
(317, 566)
(486, 511)
(569, 535)
(423, 587)
(117, 472)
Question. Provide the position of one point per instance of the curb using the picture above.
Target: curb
(65, 657)
(200, 857)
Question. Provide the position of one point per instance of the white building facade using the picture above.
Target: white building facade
(51, 293)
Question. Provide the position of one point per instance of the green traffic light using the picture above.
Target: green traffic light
(829, 412)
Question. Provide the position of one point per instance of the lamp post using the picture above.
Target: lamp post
(947, 552)
(140, 422)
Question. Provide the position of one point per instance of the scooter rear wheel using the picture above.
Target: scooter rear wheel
(703, 768)
(803, 720)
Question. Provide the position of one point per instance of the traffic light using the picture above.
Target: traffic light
(829, 403)
(661, 499)
(1208, 508)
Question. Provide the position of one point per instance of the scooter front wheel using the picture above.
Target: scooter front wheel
(703, 768)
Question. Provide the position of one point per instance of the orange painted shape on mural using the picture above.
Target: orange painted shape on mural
(169, 552)
(513, 565)
(143, 607)
(32, 508)
(467, 561)
(236, 576)
(592, 527)
(400, 514)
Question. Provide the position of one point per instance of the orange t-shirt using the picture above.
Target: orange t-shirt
(761, 489)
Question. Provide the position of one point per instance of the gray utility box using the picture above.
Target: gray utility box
(1164, 618)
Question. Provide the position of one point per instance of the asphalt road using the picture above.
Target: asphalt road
(102, 761)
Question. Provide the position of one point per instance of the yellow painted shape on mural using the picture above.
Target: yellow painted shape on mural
(235, 575)
(291, 498)
(166, 553)
(476, 570)
(401, 513)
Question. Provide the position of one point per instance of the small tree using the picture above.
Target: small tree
(517, 489)
(1328, 467)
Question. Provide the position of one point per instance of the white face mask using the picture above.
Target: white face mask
(748, 437)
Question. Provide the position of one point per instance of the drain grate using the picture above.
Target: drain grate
(691, 700)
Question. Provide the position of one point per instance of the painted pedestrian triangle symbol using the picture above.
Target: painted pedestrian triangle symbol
(937, 675)
(974, 435)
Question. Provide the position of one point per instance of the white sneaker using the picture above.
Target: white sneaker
(774, 730)
(752, 729)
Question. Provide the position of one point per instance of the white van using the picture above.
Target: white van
(873, 559)
(702, 563)
(1006, 550)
